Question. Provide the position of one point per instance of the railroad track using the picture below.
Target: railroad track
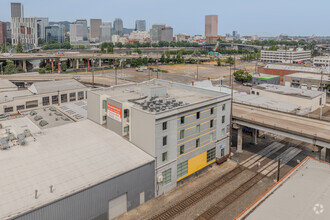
(243, 188)
(192, 199)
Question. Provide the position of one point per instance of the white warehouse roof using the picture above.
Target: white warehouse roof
(54, 86)
(71, 157)
(303, 194)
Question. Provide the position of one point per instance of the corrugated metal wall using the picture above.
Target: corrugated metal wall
(93, 203)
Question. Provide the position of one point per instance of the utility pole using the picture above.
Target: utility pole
(197, 67)
(278, 169)
(114, 61)
(93, 69)
(231, 109)
(321, 91)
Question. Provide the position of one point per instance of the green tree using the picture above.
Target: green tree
(274, 48)
(19, 48)
(3, 48)
(219, 62)
(162, 58)
(102, 48)
(64, 66)
(328, 87)
(42, 70)
(119, 45)
(10, 67)
(242, 76)
(139, 61)
(230, 60)
(136, 50)
(48, 67)
(110, 49)
(145, 61)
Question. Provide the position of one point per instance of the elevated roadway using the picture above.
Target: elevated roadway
(316, 132)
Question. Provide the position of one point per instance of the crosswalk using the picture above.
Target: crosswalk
(271, 167)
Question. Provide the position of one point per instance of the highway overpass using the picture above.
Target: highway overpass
(313, 131)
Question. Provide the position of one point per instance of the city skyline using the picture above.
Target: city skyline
(293, 19)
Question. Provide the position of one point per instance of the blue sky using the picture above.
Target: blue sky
(261, 17)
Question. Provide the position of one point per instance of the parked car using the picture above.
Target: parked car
(247, 84)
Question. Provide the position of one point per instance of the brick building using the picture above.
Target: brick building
(3, 32)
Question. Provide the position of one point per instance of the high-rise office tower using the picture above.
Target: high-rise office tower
(3, 32)
(106, 32)
(95, 30)
(54, 33)
(42, 23)
(167, 34)
(211, 25)
(17, 10)
(83, 22)
(140, 25)
(156, 32)
(118, 27)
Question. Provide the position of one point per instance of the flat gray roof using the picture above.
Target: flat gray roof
(264, 102)
(286, 90)
(309, 76)
(10, 95)
(187, 94)
(54, 86)
(71, 157)
(6, 84)
(303, 194)
(297, 68)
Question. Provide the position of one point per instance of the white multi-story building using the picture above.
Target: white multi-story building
(285, 56)
(184, 128)
(42, 23)
(140, 36)
(321, 61)
(25, 29)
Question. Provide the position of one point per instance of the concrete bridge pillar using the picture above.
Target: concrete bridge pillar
(322, 152)
(88, 64)
(240, 139)
(255, 136)
(77, 64)
(100, 62)
(327, 155)
(24, 66)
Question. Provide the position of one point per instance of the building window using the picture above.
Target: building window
(72, 96)
(182, 120)
(253, 92)
(164, 156)
(198, 142)
(126, 129)
(64, 98)
(182, 169)
(126, 113)
(164, 140)
(20, 107)
(222, 132)
(80, 95)
(223, 107)
(223, 119)
(210, 155)
(104, 118)
(167, 175)
(32, 104)
(222, 152)
(211, 137)
(181, 149)
(198, 115)
(164, 125)
(198, 128)
(104, 104)
(181, 134)
(9, 109)
(55, 99)
(45, 100)
(257, 93)
(211, 123)
(211, 111)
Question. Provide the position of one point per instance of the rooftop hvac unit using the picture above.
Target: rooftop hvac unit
(27, 133)
(21, 139)
(160, 179)
(11, 137)
(8, 130)
(4, 143)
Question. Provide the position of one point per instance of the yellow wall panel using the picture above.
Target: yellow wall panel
(196, 163)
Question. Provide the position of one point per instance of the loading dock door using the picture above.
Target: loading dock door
(117, 206)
